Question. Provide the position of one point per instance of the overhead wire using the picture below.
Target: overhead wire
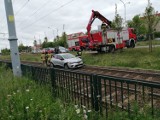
(42, 6)
(48, 14)
(4, 18)
(23, 6)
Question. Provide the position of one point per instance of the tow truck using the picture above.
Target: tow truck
(107, 41)
(110, 39)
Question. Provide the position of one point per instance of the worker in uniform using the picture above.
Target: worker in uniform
(79, 53)
(49, 58)
(43, 57)
(103, 27)
(46, 58)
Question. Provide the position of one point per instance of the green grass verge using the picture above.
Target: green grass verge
(23, 99)
(132, 58)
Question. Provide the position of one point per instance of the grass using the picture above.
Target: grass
(132, 58)
(25, 57)
(23, 99)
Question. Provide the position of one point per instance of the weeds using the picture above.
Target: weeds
(22, 98)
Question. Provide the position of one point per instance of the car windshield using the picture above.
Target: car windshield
(68, 56)
(62, 48)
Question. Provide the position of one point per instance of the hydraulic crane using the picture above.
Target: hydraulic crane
(94, 15)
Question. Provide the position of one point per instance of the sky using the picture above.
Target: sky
(36, 19)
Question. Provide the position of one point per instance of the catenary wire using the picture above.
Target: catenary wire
(43, 5)
(27, 26)
(23, 6)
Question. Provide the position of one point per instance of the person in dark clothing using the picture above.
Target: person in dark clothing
(79, 53)
(56, 50)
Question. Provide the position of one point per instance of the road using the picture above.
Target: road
(147, 46)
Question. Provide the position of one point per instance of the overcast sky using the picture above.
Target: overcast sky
(33, 17)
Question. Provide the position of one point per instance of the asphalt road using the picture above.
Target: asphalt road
(147, 46)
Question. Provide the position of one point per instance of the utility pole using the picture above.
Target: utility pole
(115, 9)
(149, 3)
(63, 27)
(124, 11)
(16, 65)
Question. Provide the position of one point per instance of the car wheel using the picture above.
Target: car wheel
(52, 65)
(66, 66)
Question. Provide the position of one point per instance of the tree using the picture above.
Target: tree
(5, 51)
(138, 24)
(151, 20)
(45, 39)
(35, 43)
(21, 47)
(117, 23)
(64, 39)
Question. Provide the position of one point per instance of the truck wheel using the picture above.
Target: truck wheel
(73, 49)
(99, 50)
(132, 45)
(111, 49)
(81, 48)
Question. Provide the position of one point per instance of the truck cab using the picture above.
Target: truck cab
(129, 37)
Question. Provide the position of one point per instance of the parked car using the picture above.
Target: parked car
(66, 60)
(48, 50)
(62, 49)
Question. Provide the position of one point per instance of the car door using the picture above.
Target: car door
(55, 60)
(60, 60)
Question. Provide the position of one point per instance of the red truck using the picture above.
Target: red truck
(97, 41)
(73, 41)
(113, 39)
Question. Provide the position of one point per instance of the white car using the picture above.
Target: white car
(66, 60)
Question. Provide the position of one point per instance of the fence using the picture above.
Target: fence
(97, 92)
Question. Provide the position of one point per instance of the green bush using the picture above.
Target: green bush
(5, 51)
(157, 34)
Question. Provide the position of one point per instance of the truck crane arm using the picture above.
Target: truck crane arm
(96, 14)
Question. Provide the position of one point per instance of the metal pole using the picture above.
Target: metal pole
(16, 65)
(53, 35)
(124, 11)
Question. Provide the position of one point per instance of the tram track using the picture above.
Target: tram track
(111, 92)
(134, 74)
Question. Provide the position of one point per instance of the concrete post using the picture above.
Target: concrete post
(16, 65)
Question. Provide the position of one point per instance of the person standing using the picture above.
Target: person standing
(56, 50)
(46, 58)
(79, 53)
(43, 57)
(49, 58)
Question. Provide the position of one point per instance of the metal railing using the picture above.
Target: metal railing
(97, 92)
